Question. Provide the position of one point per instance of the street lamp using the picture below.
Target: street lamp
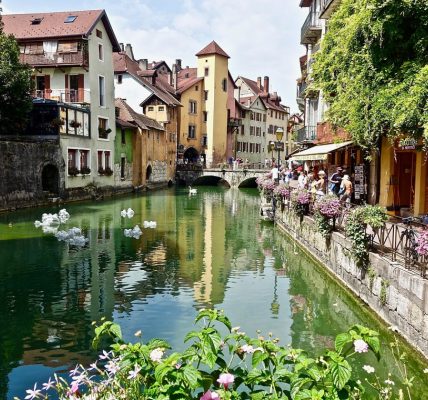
(279, 144)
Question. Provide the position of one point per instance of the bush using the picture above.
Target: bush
(220, 362)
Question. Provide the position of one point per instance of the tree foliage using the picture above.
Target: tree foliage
(372, 68)
(15, 86)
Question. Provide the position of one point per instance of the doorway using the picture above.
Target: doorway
(148, 172)
(404, 179)
(50, 179)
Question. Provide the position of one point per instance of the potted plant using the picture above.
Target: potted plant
(85, 170)
(108, 171)
(103, 133)
(75, 124)
(101, 171)
(326, 209)
(57, 122)
(300, 200)
(73, 171)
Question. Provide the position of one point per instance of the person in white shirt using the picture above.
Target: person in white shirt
(275, 174)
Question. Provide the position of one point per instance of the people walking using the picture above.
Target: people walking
(335, 181)
(346, 189)
(321, 184)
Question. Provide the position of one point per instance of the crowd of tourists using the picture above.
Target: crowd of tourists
(317, 182)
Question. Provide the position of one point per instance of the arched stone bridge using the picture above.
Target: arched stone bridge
(228, 177)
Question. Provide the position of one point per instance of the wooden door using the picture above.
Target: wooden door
(405, 167)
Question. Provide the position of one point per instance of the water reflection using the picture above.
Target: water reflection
(207, 250)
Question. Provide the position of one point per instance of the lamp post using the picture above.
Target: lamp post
(272, 148)
(279, 144)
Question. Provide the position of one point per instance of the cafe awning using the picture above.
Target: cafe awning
(319, 152)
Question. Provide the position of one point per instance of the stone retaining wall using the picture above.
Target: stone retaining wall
(398, 295)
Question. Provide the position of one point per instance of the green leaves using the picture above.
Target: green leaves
(341, 340)
(341, 372)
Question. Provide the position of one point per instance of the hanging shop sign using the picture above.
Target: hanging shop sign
(407, 143)
(359, 182)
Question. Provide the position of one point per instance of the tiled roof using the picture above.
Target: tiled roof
(52, 25)
(123, 64)
(126, 113)
(252, 85)
(187, 83)
(212, 48)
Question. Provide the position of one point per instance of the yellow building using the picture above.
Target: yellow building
(203, 119)
(403, 177)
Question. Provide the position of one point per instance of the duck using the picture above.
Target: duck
(192, 191)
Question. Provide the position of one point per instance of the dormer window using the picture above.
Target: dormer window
(70, 19)
(36, 21)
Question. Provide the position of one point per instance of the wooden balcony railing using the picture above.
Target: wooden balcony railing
(64, 95)
(79, 58)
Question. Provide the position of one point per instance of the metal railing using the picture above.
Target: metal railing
(327, 7)
(311, 28)
(306, 134)
(397, 240)
(65, 95)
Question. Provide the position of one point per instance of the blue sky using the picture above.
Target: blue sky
(260, 36)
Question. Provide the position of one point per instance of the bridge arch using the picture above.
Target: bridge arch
(248, 183)
(191, 154)
(210, 180)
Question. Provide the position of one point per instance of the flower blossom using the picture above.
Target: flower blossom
(49, 384)
(156, 355)
(389, 382)
(247, 348)
(225, 380)
(32, 393)
(369, 369)
(361, 346)
(133, 374)
(208, 395)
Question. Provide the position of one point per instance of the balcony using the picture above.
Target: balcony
(300, 95)
(79, 58)
(307, 134)
(234, 122)
(328, 7)
(311, 29)
(64, 95)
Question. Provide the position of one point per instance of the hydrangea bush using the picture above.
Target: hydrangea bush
(266, 185)
(300, 200)
(221, 362)
(282, 191)
(422, 243)
(326, 208)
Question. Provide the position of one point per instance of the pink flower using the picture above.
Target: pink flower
(210, 396)
(247, 348)
(225, 380)
(32, 393)
(361, 346)
(156, 355)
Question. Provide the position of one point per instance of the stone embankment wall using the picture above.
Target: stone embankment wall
(398, 295)
(21, 165)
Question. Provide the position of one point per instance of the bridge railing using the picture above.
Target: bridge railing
(242, 166)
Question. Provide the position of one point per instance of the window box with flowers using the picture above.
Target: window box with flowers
(266, 186)
(300, 200)
(108, 171)
(75, 124)
(326, 209)
(73, 171)
(103, 133)
(85, 171)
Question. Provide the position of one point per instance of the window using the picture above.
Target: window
(107, 159)
(150, 108)
(103, 129)
(205, 141)
(36, 21)
(123, 136)
(196, 88)
(264, 117)
(205, 116)
(122, 167)
(224, 85)
(99, 34)
(161, 108)
(206, 71)
(100, 52)
(101, 88)
(191, 133)
(78, 159)
(251, 130)
(69, 47)
(205, 95)
(34, 48)
(72, 159)
(119, 79)
(84, 159)
(70, 19)
(192, 107)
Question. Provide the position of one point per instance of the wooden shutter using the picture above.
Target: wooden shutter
(67, 92)
(81, 88)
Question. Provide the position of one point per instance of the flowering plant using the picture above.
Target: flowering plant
(328, 206)
(266, 185)
(216, 366)
(282, 191)
(422, 243)
(300, 200)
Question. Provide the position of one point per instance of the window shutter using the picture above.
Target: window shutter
(67, 93)
(80, 88)
(47, 86)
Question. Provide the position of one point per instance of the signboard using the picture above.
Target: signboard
(359, 182)
(279, 146)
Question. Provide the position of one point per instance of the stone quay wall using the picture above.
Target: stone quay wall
(397, 295)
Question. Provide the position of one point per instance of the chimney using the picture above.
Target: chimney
(154, 78)
(266, 84)
(259, 82)
(178, 64)
(129, 52)
(122, 47)
(174, 74)
(143, 63)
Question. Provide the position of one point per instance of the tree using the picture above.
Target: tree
(373, 69)
(15, 86)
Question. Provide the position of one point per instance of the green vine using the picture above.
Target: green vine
(384, 285)
(323, 225)
(372, 275)
(373, 69)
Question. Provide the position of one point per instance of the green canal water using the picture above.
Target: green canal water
(208, 250)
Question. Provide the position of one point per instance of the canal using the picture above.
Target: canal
(207, 250)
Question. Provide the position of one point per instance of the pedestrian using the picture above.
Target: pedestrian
(275, 174)
(301, 180)
(321, 184)
(335, 181)
(346, 189)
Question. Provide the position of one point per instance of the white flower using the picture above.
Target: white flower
(361, 346)
(369, 369)
(426, 371)
(156, 355)
(389, 382)
(247, 348)
(235, 329)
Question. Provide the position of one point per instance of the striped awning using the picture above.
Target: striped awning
(320, 152)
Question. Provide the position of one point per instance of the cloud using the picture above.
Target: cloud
(261, 36)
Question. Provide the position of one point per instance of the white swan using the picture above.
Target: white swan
(192, 191)
(149, 224)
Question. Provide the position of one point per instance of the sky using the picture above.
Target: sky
(262, 37)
